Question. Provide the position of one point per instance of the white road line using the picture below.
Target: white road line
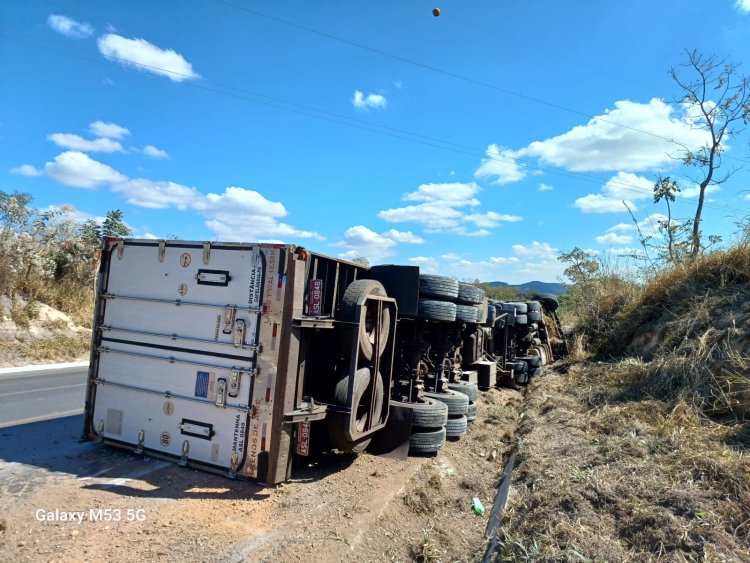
(27, 371)
(43, 389)
(136, 474)
(40, 418)
(96, 474)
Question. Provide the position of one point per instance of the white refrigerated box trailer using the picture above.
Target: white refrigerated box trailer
(199, 351)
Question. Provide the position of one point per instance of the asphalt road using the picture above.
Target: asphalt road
(41, 394)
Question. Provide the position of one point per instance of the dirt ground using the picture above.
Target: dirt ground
(339, 508)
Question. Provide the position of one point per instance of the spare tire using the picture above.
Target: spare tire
(467, 388)
(466, 313)
(426, 442)
(338, 422)
(458, 403)
(349, 311)
(438, 286)
(456, 426)
(427, 414)
(471, 413)
(434, 310)
(470, 294)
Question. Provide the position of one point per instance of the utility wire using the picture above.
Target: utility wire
(455, 75)
(362, 124)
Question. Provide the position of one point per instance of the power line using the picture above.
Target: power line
(366, 125)
(454, 74)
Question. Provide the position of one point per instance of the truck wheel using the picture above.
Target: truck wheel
(533, 306)
(548, 301)
(456, 426)
(428, 414)
(534, 316)
(469, 294)
(471, 414)
(457, 402)
(349, 311)
(426, 442)
(538, 372)
(438, 286)
(466, 313)
(467, 388)
(437, 310)
(482, 311)
(519, 307)
(338, 422)
(521, 319)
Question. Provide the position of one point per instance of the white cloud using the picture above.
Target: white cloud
(157, 195)
(501, 163)
(628, 186)
(604, 144)
(360, 101)
(75, 169)
(743, 6)
(597, 203)
(154, 152)
(423, 260)
(694, 191)
(141, 54)
(76, 143)
(109, 130)
(361, 241)
(614, 238)
(453, 194)
(491, 219)
(536, 250)
(26, 170)
(504, 260)
(69, 27)
(545, 187)
(621, 227)
(241, 214)
(437, 210)
(451, 256)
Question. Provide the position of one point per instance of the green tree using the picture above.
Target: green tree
(717, 98)
(582, 266)
(114, 225)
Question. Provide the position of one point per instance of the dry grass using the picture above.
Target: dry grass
(65, 295)
(58, 348)
(608, 473)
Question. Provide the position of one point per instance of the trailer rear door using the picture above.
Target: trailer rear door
(175, 369)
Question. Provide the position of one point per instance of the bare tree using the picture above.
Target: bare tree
(718, 101)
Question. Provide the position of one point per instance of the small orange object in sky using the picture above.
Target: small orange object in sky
(436, 12)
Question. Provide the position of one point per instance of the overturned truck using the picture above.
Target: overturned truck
(238, 358)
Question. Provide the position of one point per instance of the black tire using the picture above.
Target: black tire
(458, 403)
(519, 366)
(338, 423)
(434, 310)
(534, 316)
(533, 306)
(520, 307)
(533, 361)
(466, 313)
(438, 286)
(456, 426)
(548, 301)
(537, 372)
(469, 389)
(471, 414)
(467, 293)
(521, 319)
(349, 311)
(429, 414)
(426, 442)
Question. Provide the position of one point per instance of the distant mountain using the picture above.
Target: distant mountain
(533, 287)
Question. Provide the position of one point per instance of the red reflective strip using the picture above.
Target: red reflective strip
(268, 394)
(275, 329)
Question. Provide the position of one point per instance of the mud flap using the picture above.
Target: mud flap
(393, 440)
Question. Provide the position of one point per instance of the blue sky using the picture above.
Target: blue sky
(467, 144)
